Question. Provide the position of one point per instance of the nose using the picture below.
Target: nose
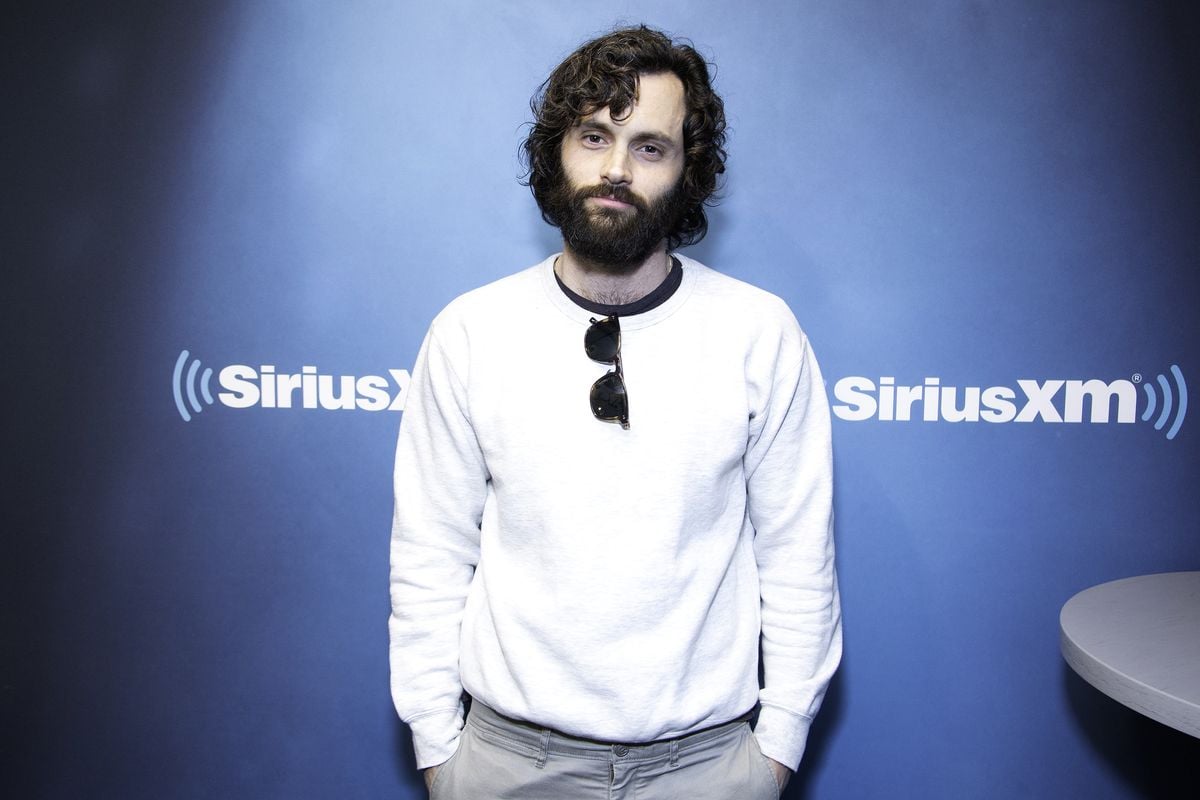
(616, 167)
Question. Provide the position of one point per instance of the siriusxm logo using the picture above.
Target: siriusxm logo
(247, 386)
(858, 398)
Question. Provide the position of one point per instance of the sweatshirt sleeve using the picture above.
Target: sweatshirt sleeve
(440, 486)
(789, 490)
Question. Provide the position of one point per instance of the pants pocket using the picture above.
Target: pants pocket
(441, 777)
(771, 783)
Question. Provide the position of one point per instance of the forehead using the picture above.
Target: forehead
(659, 106)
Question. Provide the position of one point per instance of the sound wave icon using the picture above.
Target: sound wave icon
(1168, 402)
(182, 384)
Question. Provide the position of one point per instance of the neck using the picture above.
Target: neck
(600, 284)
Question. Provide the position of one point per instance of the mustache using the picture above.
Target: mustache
(616, 192)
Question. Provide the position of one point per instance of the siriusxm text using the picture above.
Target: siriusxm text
(859, 398)
(246, 386)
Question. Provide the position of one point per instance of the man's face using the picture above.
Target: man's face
(621, 178)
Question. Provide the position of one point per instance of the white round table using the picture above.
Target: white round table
(1138, 641)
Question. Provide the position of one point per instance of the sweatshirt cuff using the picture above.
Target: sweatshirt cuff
(782, 735)
(435, 736)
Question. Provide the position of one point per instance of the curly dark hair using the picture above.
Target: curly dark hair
(604, 73)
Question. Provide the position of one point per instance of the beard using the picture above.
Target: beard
(618, 240)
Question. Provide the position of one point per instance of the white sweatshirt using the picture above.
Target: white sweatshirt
(613, 584)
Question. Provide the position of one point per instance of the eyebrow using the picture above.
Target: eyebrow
(651, 135)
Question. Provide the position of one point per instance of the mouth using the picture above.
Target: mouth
(607, 201)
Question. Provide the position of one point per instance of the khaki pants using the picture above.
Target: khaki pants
(501, 758)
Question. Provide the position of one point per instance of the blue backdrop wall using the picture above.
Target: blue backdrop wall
(980, 200)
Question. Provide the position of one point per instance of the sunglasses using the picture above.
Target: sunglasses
(602, 342)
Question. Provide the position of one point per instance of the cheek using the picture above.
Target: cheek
(666, 180)
(575, 161)
(677, 173)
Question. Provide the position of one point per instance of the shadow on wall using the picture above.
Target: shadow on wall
(405, 761)
(1153, 760)
(819, 738)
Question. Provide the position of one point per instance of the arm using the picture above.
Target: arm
(789, 489)
(440, 485)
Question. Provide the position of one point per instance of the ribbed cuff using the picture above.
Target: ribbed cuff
(435, 736)
(782, 735)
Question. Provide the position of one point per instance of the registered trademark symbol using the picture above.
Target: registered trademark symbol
(1137, 377)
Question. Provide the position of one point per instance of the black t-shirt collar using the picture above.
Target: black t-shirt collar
(655, 299)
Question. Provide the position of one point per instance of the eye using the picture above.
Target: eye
(651, 151)
(593, 139)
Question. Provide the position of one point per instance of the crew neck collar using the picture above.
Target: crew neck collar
(659, 295)
(675, 297)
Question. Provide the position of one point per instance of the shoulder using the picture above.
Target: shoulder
(479, 311)
(500, 297)
(741, 305)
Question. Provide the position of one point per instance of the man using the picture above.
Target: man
(600, 582)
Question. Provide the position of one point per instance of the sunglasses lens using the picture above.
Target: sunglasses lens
(608, 398)
(603, 340)
(603, 343)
